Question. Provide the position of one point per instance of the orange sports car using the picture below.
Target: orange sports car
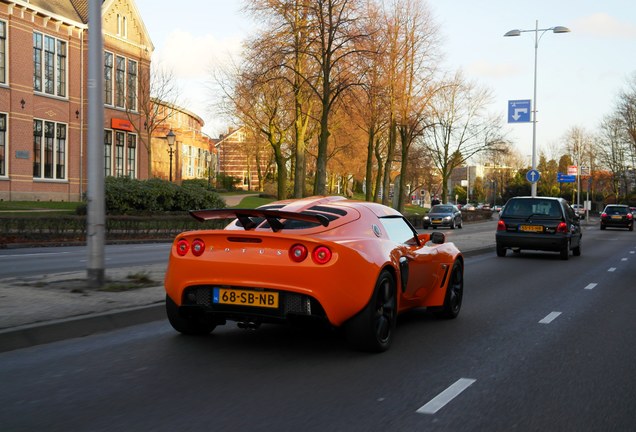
(351, 264)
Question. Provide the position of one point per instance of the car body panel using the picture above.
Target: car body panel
(532, 223)
(258, 260)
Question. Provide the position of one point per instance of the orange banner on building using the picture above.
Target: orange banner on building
(121, 124)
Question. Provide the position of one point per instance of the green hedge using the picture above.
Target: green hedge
(69, 229)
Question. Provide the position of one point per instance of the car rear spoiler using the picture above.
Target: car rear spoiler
(273, 217)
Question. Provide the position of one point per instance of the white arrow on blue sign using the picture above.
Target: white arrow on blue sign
(519, 111)
(533, 176)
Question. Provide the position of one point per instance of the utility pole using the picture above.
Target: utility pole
(96, 225)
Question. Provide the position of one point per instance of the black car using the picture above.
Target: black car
(538, 223)
(617, 215)
(443, 215)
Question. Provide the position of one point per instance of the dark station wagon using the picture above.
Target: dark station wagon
(538, 223)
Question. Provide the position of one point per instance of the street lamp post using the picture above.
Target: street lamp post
(170, 137)
(209, 160)
(516, 32)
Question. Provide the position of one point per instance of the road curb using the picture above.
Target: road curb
(68, 328)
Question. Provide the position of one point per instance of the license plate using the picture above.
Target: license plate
(617, 217)
(245, 297)
(531, 228)
(436, 221)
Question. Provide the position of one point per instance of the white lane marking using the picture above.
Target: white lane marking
(632, 252)
(623, 259)
(611, 269)
(591, 286)
(439, 401)
(34, 254)
(550, 317)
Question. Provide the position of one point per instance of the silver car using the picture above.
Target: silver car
(443, 215)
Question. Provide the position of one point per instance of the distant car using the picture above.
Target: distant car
(497, 208)
(468, 207)
(350, 264)
(579, 210)
(443, 215)
(538, 223)
(617, 216)
(633, 210)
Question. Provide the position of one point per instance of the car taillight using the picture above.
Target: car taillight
(501, 226)
(198, 247)
(603, 215)
(562, 228)
(298, 253)
(182, 247)
(630, 216)
(321, 255)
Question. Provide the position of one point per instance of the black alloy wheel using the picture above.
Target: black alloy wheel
(372, 329)
(454, 293)
(188, 325)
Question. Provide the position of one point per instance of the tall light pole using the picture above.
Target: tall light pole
(170, 137)
(536, 30)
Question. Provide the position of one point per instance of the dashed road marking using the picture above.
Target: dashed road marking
(623, 259)
(550, 317)
(439, 401)
(611, 269)
(590, 286)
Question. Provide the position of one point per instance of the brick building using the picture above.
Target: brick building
(237, 157)
(43, 96)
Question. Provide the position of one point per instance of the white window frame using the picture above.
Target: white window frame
(58, 90)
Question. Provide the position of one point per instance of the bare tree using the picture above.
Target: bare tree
(460, 128)
(158, 94)
(613, 148)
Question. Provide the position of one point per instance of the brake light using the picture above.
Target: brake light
(630, 216)
(562, 228)
(298, 253)
(198, 247)
(501, 226)
(321, 255)
(182, 247)
(603, 215)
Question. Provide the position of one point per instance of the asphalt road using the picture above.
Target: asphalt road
(540, 344)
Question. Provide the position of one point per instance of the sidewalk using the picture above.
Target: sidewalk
(47, 308)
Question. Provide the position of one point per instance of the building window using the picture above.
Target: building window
(108, 153)
(119, 153)
(49, 150)
(3, 52)
(3, 145)
(132, 85)
(131, 152)
(108, 78)
(60, 150)
(120, 78)
(122, 26)
(49, 65)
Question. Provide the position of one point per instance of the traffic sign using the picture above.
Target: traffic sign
(519, 111)
(564, 178)
(533, 176)
(572, 169)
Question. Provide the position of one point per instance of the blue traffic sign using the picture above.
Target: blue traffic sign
(533, 176)
(564, 178)
(519, 111)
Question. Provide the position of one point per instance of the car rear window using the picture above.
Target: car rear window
(616, 210)
(524, 208)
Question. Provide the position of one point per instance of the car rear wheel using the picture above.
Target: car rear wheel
(372, 329)
(454, 293)
(565, 251)
(189, 325)
(577, 250)
(602, 227)
(501, 251)
(631, 227)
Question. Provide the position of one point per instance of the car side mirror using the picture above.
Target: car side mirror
(438, 237)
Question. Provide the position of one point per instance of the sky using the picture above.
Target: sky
(579, 74)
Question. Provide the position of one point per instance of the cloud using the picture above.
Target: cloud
(604, 25)
(189, 56)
